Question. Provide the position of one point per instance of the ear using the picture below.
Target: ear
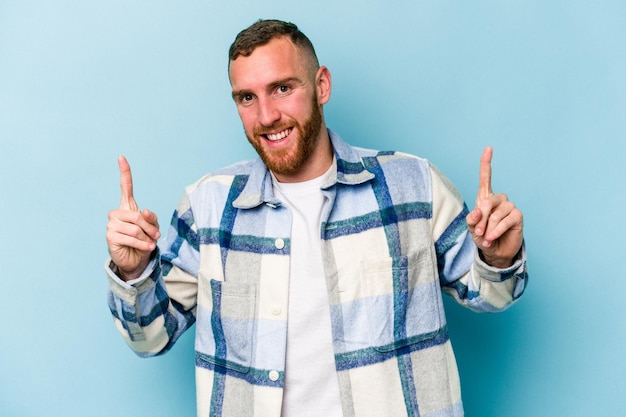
(323, 85)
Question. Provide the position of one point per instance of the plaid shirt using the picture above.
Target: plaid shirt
(393, 237)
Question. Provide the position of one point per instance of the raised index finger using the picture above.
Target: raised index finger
(126, 185)
(484, 186)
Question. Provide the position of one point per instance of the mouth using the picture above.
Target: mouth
(277, 136)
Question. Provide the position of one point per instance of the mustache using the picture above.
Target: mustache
(276, 127)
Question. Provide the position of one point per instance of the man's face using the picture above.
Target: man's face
(276, 95)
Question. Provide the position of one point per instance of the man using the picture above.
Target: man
(313, 274)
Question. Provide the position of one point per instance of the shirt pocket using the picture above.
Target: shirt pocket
(405, 305)
(229, 336)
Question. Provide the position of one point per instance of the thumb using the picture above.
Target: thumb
(126, 186)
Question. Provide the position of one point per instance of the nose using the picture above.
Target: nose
(268, 114)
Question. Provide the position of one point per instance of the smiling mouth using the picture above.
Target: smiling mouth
(274, 137)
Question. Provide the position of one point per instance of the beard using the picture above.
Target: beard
(289, 161)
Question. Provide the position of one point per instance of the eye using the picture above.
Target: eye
(245, 99)
(282, 89)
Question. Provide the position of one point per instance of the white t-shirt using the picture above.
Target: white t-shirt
(311, 386)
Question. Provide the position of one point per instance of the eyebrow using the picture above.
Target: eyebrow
(272, 85)
(239, 93)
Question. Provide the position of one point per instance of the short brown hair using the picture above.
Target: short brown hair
(263, 31)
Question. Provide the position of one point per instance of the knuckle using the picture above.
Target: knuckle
(136, 232)
(495, 218)
(485, 205)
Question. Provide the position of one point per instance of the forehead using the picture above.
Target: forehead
(279, 59)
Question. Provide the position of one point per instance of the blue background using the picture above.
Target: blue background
(83, 82)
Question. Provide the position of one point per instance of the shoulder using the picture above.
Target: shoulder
(226, 175)
(395, 163)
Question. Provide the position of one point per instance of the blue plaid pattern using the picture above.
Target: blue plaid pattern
(393, 238)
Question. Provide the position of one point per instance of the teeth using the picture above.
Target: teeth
(279, 135)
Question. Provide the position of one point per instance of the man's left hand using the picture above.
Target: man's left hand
(495, 223)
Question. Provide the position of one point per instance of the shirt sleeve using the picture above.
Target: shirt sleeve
(154, 310)
(462, 273)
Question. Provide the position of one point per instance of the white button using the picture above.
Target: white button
(276, 310)
(274, 375)
(279, 243)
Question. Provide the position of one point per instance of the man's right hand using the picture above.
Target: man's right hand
(131, 234)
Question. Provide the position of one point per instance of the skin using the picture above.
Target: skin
(495, 223)
(279, 95)
(277, 90)
(131, 234)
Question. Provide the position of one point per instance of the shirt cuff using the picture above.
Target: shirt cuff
(130, 288)
(495, 274)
